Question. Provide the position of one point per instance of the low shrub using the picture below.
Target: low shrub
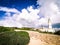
(14, 38)
(24, 28)
(57, 32)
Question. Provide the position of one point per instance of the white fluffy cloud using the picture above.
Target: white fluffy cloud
(31, 17)
(9, 9)
(50, 9)
(27, 17)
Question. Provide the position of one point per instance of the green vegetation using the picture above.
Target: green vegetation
(57, 33)
(3, 29)
(14, 38)
(9, 37)
(24, 28)
(32, 29)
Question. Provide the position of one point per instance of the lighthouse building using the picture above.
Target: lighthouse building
(49, 29)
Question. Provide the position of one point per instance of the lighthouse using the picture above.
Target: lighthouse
(49, 24)
(50, 29)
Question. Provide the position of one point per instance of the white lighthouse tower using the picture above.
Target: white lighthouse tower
(50, 29)
(49, 24)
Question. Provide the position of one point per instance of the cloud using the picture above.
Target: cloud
(31, 17)
(26, 18)
(50, 9)
(9, 9)
(10, 23)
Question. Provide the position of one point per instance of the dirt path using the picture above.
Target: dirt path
(34, 39)
(43, 39)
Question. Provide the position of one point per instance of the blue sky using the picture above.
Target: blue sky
(29, 13)
(18, 4)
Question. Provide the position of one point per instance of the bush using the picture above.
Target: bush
(57, 33)
(14, 38)
(24, 28)
(3, 29)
